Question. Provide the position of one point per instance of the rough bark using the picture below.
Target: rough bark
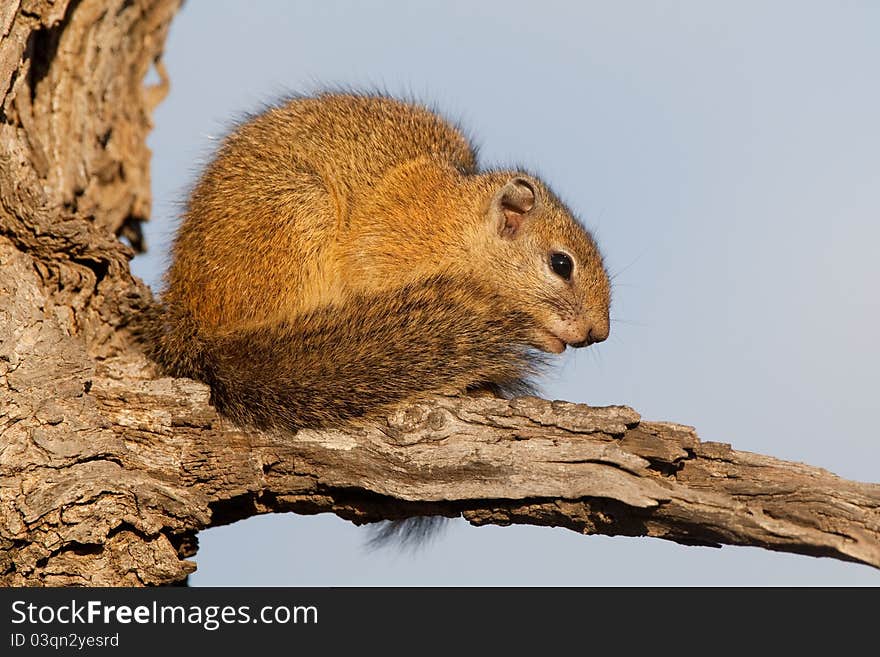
(74, 179)
(108, 471)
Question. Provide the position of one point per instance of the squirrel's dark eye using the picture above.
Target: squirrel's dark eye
(561, 265)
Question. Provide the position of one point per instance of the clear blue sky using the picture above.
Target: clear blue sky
(727, 157)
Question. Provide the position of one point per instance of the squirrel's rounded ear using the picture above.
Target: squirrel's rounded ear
(511, 206)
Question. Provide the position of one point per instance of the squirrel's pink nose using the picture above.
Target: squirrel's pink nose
(580, 331)
(595, 333)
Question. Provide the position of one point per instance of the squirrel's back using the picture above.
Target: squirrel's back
(280, 190)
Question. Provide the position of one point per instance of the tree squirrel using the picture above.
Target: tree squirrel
(342, 253)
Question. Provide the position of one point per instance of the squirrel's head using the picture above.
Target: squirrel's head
(547, 259)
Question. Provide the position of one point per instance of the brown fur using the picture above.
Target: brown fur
(343, 253)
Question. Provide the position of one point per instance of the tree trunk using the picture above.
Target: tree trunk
(108, 470)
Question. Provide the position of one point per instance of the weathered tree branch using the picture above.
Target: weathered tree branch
(108, 471)
(165, 466)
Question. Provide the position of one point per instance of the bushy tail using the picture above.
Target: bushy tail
(358, 358)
